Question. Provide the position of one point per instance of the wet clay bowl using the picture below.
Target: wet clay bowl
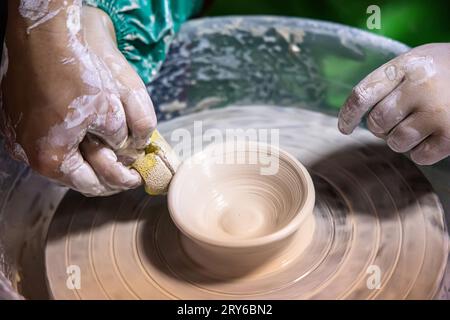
(239, 207)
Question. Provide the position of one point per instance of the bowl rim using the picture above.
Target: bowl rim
(304, 210)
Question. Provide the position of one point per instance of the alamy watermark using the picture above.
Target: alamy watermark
(73, 281)
(373, 281)
(374, 20)
(231, 146)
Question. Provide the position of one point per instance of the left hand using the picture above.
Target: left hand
(407, 102)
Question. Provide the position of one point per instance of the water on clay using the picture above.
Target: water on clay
(375, 211)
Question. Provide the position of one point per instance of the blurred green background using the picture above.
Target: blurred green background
(413, 22)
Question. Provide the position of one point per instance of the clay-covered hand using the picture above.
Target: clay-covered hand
(407, 102)
(70, 99)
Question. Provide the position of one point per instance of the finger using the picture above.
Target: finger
(110, 124)
(434, 149)
(368, 93)
(139, 111)
(140, 115)
(410, 132)
(104, 162)
(388, 113)
(79, 175)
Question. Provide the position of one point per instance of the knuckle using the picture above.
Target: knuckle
(376, 121)
(359, 95)
(113, 128)
(391, 72)
(113, 134)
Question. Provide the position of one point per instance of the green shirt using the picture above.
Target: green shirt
(145, 28)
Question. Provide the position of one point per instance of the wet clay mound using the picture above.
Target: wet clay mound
(375, 215)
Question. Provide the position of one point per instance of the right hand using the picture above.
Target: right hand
(70, 99)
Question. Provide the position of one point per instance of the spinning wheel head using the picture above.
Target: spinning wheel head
(377, 229)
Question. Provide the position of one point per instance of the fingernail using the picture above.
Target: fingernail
(343, 127)
(393, 144)
(134, 178)
(373, 126)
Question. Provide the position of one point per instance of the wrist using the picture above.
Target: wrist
(49, 42)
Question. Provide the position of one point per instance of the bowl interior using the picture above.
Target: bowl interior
(223, 196)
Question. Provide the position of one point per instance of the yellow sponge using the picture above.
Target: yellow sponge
(157, 166)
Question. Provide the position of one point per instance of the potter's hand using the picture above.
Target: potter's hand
(408, 103)
(70, 99)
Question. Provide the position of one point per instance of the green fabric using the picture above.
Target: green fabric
(145, 28)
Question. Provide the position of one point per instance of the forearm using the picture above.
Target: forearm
(40, 33)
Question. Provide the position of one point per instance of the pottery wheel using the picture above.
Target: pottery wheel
(379, 227)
